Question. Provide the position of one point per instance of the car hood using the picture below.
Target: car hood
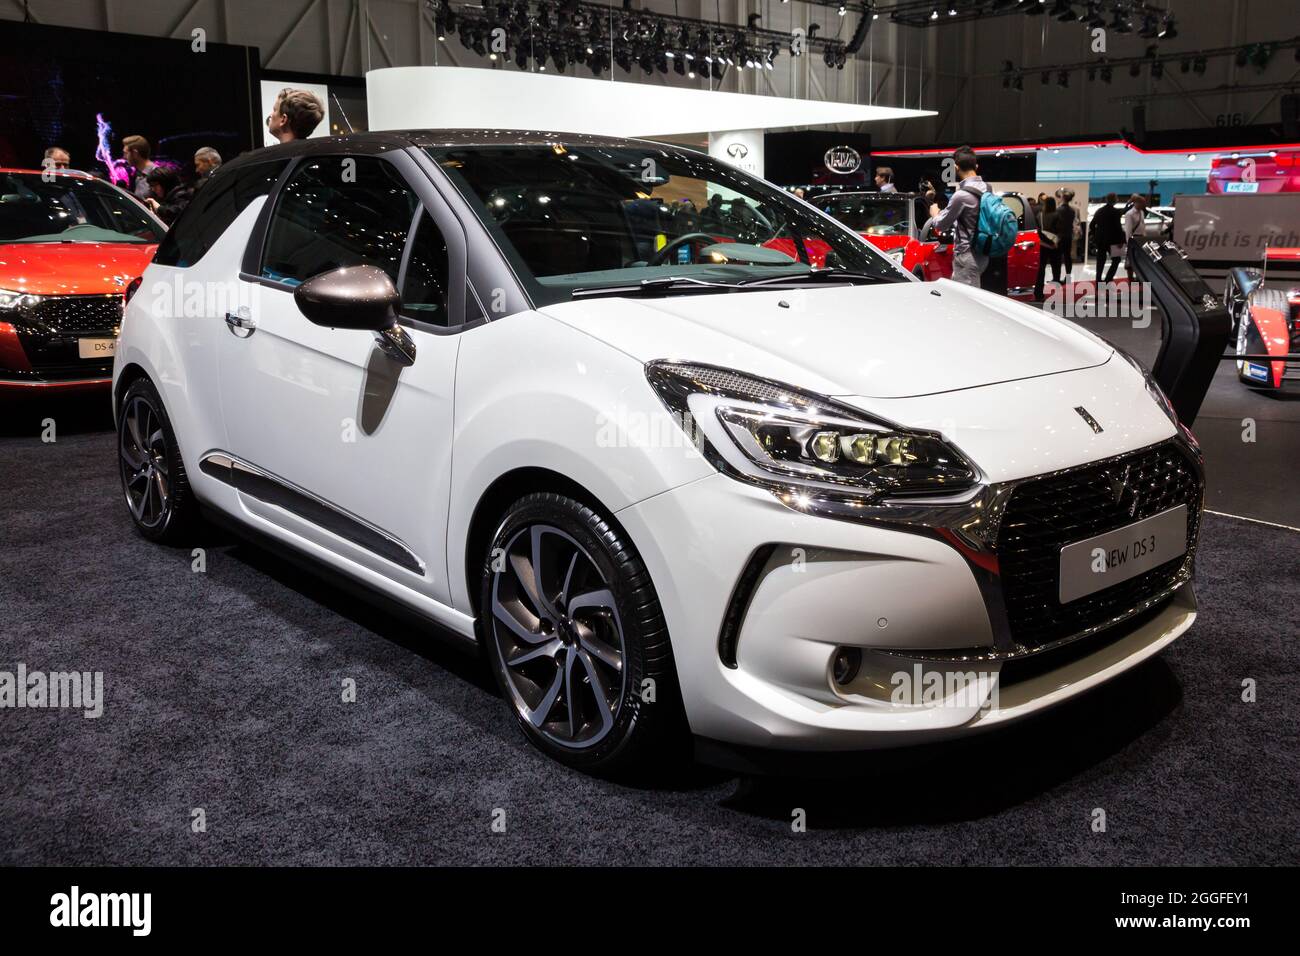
(887, 341)
(72, 268)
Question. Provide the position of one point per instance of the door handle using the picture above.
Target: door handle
(242, 319)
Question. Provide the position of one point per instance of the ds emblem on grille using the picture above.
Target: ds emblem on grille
(1118, 481)
(1092, 422)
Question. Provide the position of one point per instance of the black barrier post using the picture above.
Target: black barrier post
(1196, 329)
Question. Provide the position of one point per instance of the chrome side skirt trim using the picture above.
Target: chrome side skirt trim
(264, 486)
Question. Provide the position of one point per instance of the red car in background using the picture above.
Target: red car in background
(898, 225)
(70, 245)
(1270, 172)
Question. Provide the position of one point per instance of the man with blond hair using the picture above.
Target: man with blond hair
(295, 115)
(136, 151)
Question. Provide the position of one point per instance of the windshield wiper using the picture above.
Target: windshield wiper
(654, 287)
(818, 275)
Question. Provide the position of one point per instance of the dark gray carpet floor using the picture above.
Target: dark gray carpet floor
(223, 692)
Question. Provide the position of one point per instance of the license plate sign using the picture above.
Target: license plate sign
(1116, 556)
(96, 348)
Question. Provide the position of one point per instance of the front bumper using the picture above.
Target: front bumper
(40, 346)
(919, 606)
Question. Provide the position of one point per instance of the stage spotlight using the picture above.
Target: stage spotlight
(1198, 65)
(1167, 29)
(1063, 79)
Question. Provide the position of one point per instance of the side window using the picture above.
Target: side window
(215, 206)
(424, 290)
(338, 211)
(1017, 206)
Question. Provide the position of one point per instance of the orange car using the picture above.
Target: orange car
(70, 245)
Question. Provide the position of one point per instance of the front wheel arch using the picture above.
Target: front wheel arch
(499, 496)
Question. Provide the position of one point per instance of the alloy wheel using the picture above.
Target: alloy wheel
(142, 448)
(557, 636)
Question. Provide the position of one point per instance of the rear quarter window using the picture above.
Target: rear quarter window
(215, 206)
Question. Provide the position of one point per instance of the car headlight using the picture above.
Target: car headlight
(10, 300)
(771, 434)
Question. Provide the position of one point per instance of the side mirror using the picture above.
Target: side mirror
(358, 297)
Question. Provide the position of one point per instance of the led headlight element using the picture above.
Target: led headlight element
(771, 434)
(10, 300)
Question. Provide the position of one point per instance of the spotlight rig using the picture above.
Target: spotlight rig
(581, 33)
(1119, 15)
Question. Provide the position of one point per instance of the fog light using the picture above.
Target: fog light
(845, 667)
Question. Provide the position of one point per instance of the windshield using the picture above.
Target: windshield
(875, 217)
(69, 209)
(574, 219)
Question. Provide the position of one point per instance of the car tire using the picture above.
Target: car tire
(154, 483)
(563, 597)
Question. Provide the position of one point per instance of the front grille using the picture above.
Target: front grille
(50, 332)
(78, 314)
(1045, 514)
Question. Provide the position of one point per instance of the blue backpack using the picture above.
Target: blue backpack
(996, 231)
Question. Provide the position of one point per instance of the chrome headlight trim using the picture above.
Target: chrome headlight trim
(756, 430)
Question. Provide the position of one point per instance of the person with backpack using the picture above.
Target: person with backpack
(982, 225)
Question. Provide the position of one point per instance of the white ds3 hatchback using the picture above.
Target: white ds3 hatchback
(674, 449)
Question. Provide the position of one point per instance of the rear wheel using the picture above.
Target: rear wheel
(154, 482)
(576, 639)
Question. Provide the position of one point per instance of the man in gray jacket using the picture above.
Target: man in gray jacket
(962, 217)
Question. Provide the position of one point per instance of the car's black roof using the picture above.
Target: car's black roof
(372, 143)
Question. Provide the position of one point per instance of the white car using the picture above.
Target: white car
(672, 461)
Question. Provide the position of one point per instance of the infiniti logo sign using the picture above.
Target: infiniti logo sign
(737, 150)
